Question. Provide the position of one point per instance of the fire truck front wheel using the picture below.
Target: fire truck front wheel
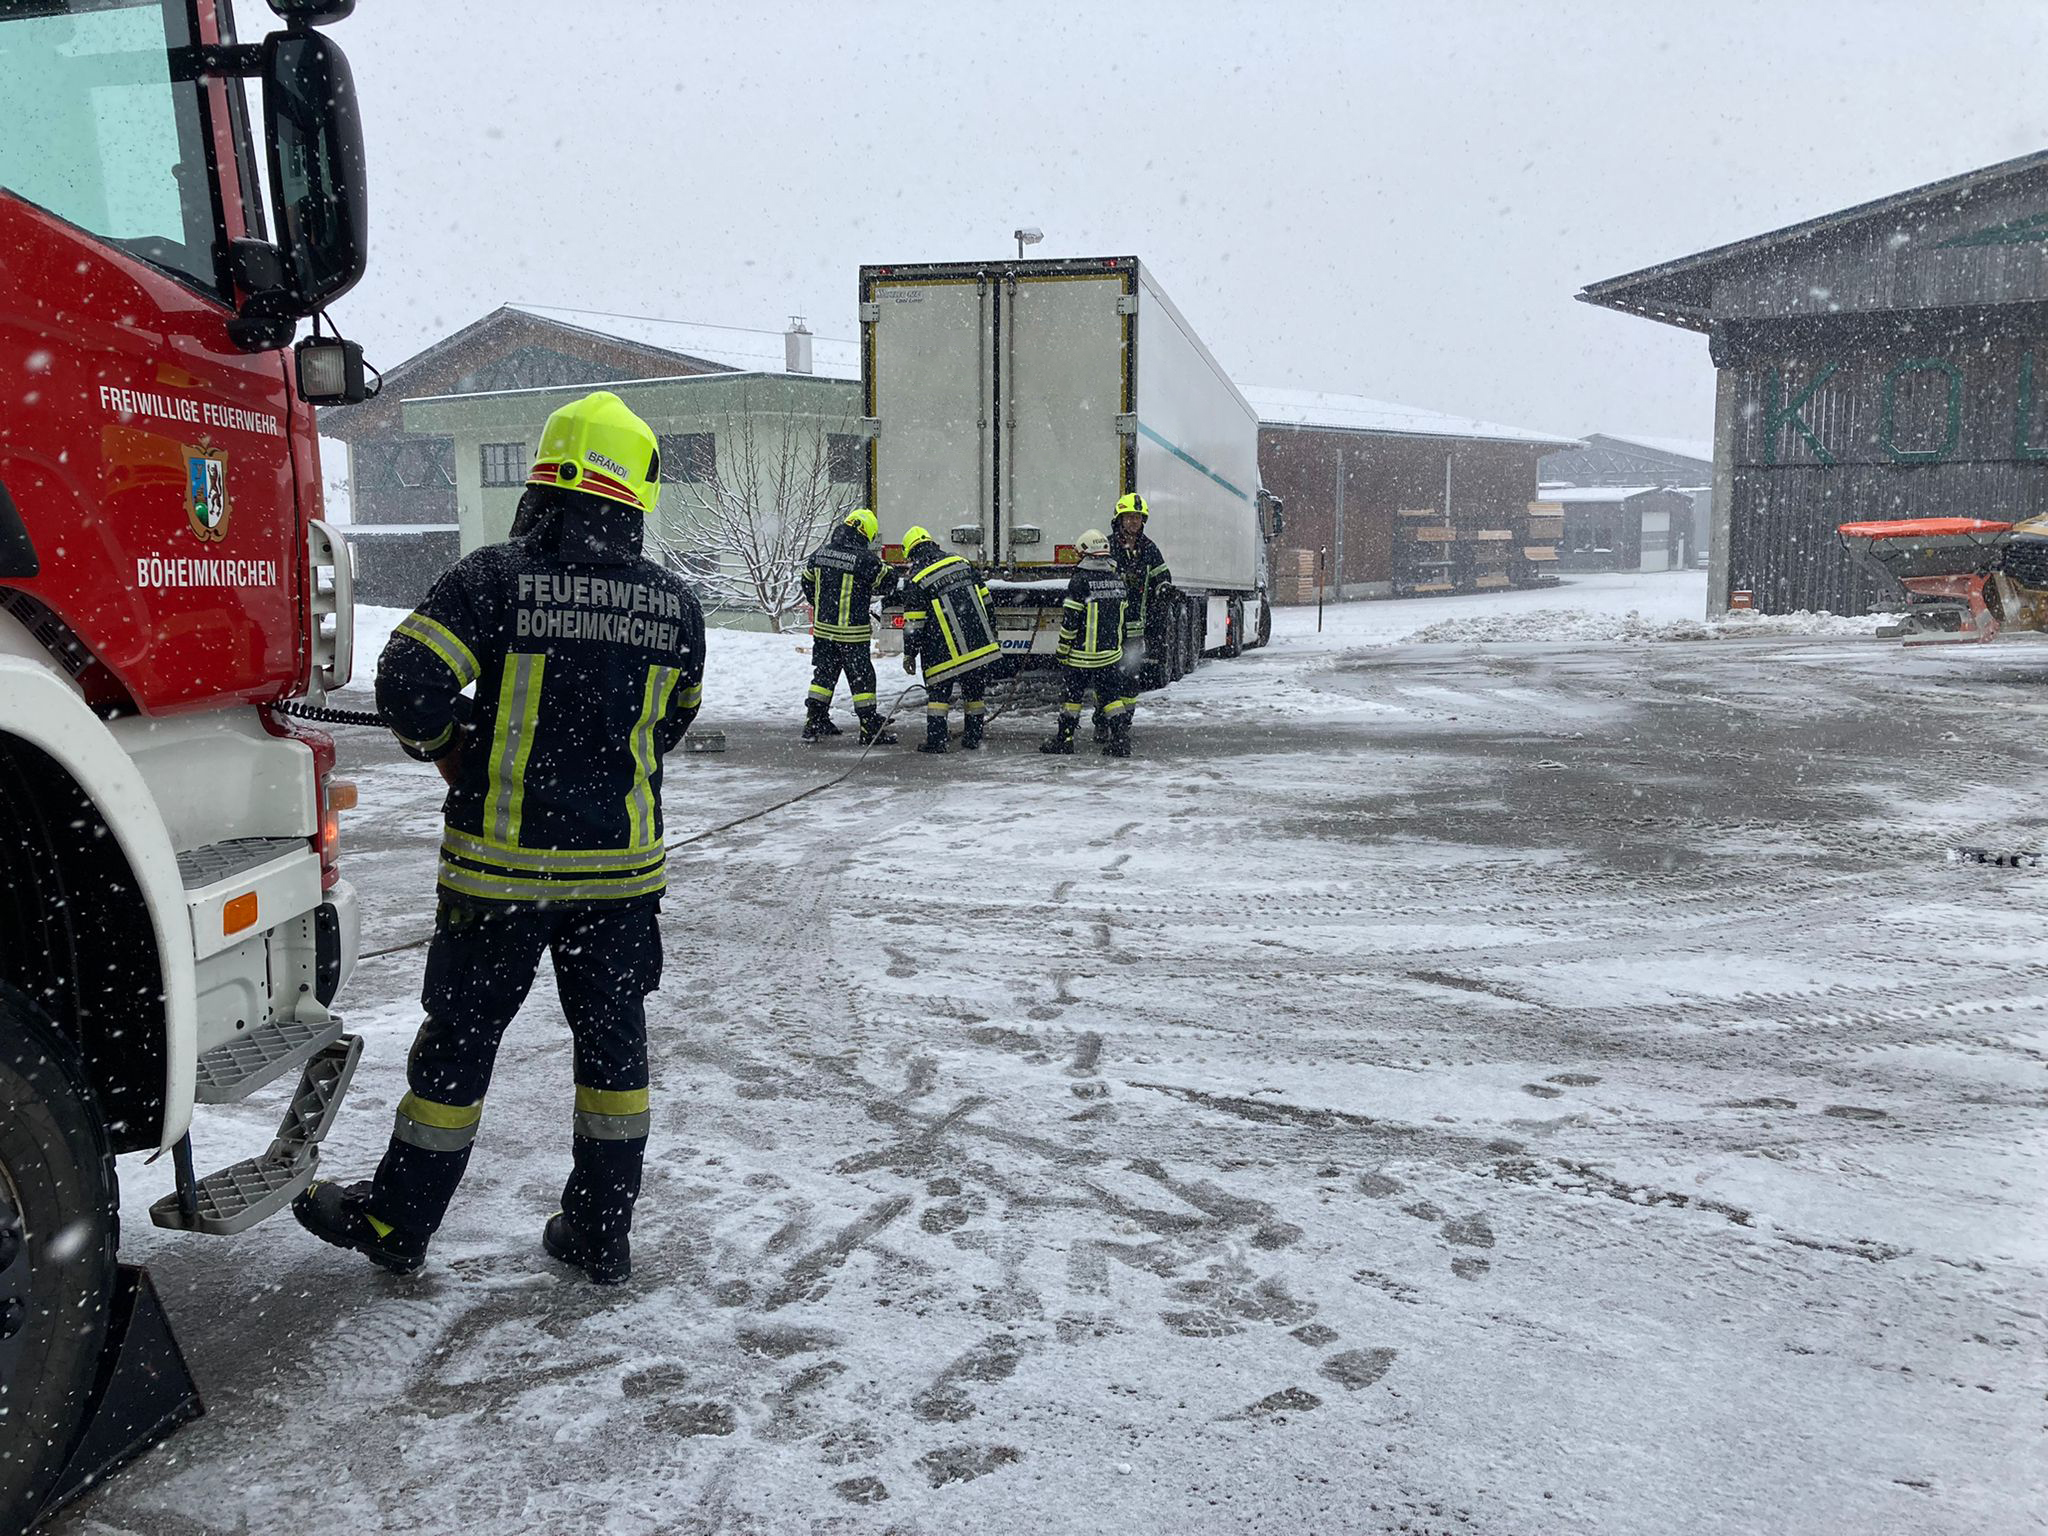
(59, 1226)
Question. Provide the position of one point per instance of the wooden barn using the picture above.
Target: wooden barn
(1887, 361)
(1395, 501)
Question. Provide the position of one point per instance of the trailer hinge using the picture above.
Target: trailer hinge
(870, 312)
(1127, 424)
(871, 427)
(1127, 303)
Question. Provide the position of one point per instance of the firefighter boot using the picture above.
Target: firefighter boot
(970, 736)
(605, 1263)
(1062, 744)
(818, 721)
(1102, 729)
(874, 729)
(340, 1214)
(934, 732)
(1119, 735)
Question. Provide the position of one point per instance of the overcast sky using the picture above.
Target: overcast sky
(1393, 200)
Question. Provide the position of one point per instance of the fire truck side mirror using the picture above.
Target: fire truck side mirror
(316, 167)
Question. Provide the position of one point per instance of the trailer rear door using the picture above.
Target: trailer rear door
(1062, 387)
(931, 369)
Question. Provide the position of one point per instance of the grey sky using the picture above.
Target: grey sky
(1390, 200)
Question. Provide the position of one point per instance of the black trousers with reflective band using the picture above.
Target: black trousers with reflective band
(829, 658)
(480, 965)
(1112, 687)
(938, 697)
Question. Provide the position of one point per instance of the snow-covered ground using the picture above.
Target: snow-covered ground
(1433, 1087)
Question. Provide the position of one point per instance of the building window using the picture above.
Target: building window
(846, 458)
(420, 462)
(688, 458)
(504, 463)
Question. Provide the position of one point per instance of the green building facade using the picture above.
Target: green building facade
(780, 448)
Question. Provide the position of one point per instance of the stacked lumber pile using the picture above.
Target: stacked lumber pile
(1535, 557)
(1424, 562)
(1292, 573)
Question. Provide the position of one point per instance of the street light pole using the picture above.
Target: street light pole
(1026, 237)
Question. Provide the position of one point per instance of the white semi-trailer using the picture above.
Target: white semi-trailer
(1010, 403)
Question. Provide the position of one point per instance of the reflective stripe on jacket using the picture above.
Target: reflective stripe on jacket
(1092, 618)
(588, 666)
(842, 580)
(1145, 572)
(948, 618)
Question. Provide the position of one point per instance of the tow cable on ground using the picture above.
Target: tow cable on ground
(369, 718)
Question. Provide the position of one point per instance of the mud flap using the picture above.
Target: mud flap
(142, 1393)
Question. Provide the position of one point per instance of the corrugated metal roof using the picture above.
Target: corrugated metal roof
(1681, 447)
(1678, 292)
(1356, 413)
(733, 346)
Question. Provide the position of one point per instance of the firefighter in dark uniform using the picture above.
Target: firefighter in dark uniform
(588, 666)
(1091, 649)
(1146, 580)
(949, 626)
(842, 580)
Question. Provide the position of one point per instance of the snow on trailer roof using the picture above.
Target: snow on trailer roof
(1356, 413)
(743, 348)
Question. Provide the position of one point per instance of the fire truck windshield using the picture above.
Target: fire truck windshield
(94, 129)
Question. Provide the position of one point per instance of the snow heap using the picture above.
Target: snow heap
(1541, 625)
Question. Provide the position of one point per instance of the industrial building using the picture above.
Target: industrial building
(1648, 532)
(1875, 363)
(1620, 527)
(1385, 500)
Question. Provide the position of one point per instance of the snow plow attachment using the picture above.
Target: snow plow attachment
(1949, 567)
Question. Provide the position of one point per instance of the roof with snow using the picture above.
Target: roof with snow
(733, 346)
(1970, 239)
(1356, 413)
(1579, 495)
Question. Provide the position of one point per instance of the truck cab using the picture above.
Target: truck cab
(174, 926)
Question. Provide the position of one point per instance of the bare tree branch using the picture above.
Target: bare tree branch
(744, 535)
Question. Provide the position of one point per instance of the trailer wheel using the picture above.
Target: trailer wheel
(1265, 620)
(1233, 643)
(1190, 636)
(1173, 665)
(59, 1228)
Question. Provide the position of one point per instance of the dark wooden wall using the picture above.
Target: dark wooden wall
(1937, 424)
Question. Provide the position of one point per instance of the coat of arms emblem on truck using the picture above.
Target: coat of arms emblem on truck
(206, 492)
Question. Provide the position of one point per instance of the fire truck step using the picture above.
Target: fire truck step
(237, 856)
(236, 1068)
(244, 1193)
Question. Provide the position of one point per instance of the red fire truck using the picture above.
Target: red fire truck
(173, 926)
